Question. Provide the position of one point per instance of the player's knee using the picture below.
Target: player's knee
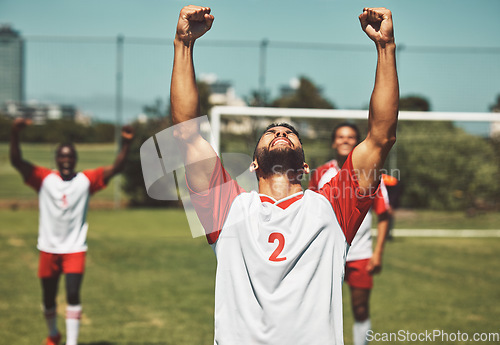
(361, 313)
(49, 298)
(73, 283)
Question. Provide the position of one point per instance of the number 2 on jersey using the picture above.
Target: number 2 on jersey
(281, 244)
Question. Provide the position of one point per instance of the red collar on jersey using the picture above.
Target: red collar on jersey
(283, 203)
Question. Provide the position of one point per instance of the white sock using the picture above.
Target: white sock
(51, 319)
(359, 330)
(73, 315)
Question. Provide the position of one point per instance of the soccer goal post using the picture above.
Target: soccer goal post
(442, 163)
(218, 111)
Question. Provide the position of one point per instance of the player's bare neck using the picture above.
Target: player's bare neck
(67, 176)
(278, 186)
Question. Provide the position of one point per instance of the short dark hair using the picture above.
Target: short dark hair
(346, 124)
(66, 144)
(278, 124)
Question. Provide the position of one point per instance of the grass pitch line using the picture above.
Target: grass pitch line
(442, 233)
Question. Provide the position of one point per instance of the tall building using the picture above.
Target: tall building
(11, 65)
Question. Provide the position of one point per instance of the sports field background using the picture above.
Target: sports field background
(149, 282)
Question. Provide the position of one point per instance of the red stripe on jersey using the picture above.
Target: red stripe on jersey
(350, 207)
(38, 174)
(96, 178)
(283, 204)
(319, 172)
(212, 206)
(265, 198)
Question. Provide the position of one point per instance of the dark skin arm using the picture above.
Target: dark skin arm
(24, 167)
(119, 164)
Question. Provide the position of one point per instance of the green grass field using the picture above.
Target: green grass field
(149, 282)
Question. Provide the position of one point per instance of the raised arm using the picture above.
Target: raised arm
(199, 157)
(109, 171)
(16, 159)
(369, 156)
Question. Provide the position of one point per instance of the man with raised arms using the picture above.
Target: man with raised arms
(63, 196)
(281, 251)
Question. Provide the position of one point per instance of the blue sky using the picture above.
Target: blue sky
(465, 81)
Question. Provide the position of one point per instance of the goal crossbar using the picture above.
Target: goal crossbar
(218, 111)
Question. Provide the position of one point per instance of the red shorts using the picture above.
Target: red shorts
(356, 274)
(51, 265)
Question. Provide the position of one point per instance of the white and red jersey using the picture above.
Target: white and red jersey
(280, 264)
(361, 247)
(63, 208)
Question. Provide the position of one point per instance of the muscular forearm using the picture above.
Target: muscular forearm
(184, 92)
(199, 156)
(371, 154)
(385, 98)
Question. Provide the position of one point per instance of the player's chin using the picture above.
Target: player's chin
(344, 151)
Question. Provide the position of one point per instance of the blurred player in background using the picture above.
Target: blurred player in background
(362, 262)
(281, 252)
(63, 196)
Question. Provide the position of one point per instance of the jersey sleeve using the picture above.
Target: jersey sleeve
(96, 178)
(381, 202)
(212, 206)
(349, 206)
(38, 174)
(315, 176)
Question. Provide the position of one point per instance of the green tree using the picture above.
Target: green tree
(103, 132)
(204, 92)
(5, 125)
(495, 107)
(257, 99)
(495, 142)
(414, 103)
(443, 167)
(159, 117)
(307, 95)
(58, 131)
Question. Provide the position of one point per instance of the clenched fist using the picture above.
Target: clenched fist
(377, 24)
(193, 22)
(19, 124)
(127, 133)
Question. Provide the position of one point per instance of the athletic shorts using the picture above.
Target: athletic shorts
(52, 265)
(356, 274)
